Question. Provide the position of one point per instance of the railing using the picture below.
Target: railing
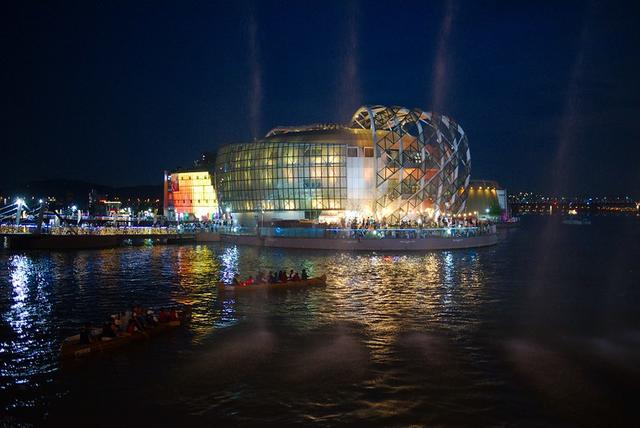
(418, 233)
(90, 230)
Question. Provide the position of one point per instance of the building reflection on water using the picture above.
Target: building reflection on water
(396, 334)
(371, 300)
(385, 293)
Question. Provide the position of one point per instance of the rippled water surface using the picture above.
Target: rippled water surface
(540, 330)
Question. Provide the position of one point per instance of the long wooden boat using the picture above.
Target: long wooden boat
(319, 281)
(71, 348)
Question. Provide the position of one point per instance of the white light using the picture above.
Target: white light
(228, 210)
(19, 202)
(487, 210)
(74, 208)
(39, 201)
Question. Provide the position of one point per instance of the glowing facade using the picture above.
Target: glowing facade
(390, 163)
(422, 161)
(486, 198)
(190, 195)
(275, 175)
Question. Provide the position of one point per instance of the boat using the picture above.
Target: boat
(319, 281)
(577, 221)
(71, 348)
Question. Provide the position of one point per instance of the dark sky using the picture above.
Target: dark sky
(117, 91)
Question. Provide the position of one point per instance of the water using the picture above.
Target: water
(540, 330)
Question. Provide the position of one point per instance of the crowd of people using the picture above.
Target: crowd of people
(455, 220)
(273, 277)
(108, 230)
(138, 319)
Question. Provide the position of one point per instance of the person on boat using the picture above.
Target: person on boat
(290, 276)
(249, 281)
(138, 319)
(136, 314)
(163, 316)
(125, 317)
(305, 275)
(142, 314)
(173, 315)
(85, 334)
(131, 327)
(116, 321)
(270, 278)
(282, 277)
(108, 329)
(236, 280)
(150, 318)
(296, 277)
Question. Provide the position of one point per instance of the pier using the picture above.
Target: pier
(65, 238)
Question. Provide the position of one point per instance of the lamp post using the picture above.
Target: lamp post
(40, 216)
(19, 203)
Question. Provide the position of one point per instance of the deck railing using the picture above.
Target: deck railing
(338, 233)
(91, 230)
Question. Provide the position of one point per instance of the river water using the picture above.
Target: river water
(541, 330)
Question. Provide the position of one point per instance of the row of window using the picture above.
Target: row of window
(282, 176)
(286, 205)
(188, 177)
(352, 152)
(190, 201)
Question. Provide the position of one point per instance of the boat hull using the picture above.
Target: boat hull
(427, 244)
(71, 350)
(290, 285)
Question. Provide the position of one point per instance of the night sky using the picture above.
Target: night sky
(115, 92)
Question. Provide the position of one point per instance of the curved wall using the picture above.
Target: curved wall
(282, 176)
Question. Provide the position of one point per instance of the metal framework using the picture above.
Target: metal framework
(422, 161)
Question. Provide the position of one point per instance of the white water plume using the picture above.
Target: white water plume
(439, 85)
(255, 88)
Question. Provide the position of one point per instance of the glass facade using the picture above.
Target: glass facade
(282, 176)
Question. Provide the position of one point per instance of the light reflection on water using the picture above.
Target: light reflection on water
(27, 345)
(431, 338)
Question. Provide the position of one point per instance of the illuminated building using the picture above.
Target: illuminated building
(189, 195)
(389, 163)
(486, 198)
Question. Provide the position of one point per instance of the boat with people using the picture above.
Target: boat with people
(573, 218)
(319, 281)
(140, 325)
(577, 221)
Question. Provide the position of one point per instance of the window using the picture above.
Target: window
(352, 152)
(368, 152)
(294, 176)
